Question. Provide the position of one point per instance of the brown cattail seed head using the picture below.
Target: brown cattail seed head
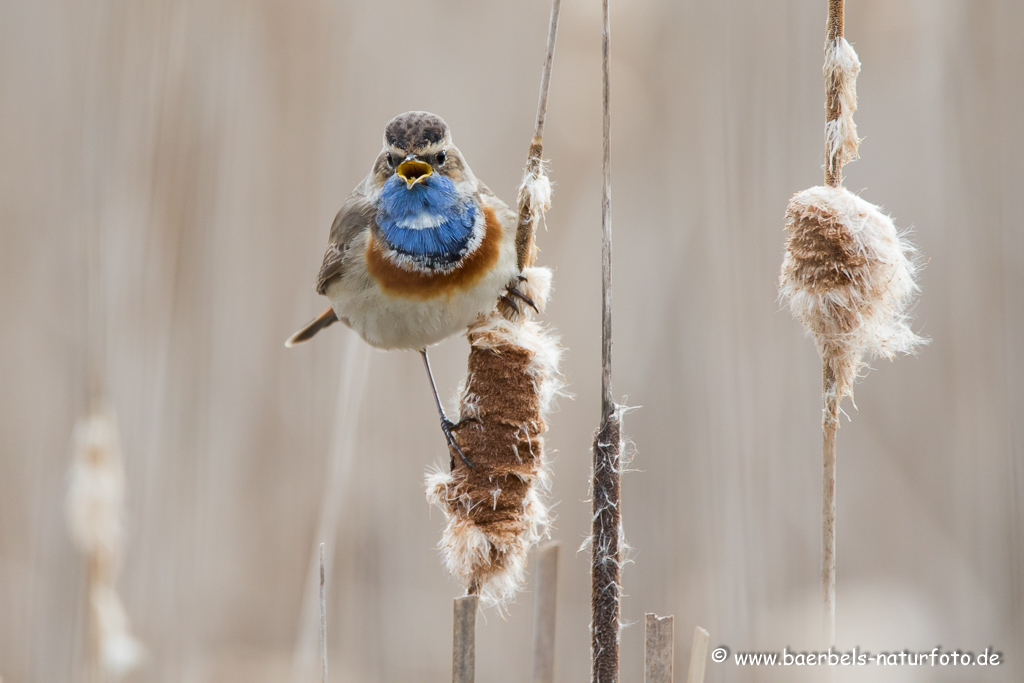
(848, 276)
(496, 513)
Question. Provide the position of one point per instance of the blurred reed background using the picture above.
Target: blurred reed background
(201, 148)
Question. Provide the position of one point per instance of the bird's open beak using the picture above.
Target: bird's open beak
(413, 171)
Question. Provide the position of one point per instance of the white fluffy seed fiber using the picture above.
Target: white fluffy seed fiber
(841, 68)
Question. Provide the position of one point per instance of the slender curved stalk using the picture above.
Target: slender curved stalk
(526, 228)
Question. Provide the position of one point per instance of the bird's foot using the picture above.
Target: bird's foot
(447, 426)
(514, 291)
(510, 306)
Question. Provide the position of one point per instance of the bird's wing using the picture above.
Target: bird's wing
(356, 216)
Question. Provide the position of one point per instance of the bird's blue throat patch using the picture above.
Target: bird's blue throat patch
(431, 224)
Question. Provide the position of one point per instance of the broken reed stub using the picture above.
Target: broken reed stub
(848, 276)
(496, 512)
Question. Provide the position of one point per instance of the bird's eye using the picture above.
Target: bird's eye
(391, 160)
(440, 158)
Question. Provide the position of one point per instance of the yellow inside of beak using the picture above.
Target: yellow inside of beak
(413, 171)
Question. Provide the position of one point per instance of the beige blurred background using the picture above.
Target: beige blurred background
(201, 148)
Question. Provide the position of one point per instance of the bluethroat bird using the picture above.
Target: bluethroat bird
(419, 250)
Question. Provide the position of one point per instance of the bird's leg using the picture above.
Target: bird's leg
(446, 424)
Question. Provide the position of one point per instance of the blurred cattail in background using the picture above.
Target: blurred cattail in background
(95, 510)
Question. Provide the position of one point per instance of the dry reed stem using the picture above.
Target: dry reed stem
(606, 534)
(545, 612)
(828, 507)
(658, 648)
(698, 656)
(464, 639)
(840, 69)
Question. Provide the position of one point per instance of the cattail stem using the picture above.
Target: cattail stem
(527, 229)
(833, 32)
(830, 397)
(828, 506)
(464, 639)
(605, 537)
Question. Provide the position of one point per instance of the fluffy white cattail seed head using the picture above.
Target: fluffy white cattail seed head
(848, 275)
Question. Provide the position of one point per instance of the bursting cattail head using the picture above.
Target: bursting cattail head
(496, 512)
(841, 68)
(848, 275)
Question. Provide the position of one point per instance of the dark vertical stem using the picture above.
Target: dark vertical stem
(833, 32)
(606, 560)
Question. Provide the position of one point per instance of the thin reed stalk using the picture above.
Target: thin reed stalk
(606, 532)
(828, 506)
(833, 178)
(535, 192)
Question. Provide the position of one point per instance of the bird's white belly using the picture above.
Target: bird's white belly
(391, 322)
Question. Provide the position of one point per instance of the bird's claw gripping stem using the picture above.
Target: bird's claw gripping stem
(447, 426)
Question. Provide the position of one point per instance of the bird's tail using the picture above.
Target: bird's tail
(325, 319)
